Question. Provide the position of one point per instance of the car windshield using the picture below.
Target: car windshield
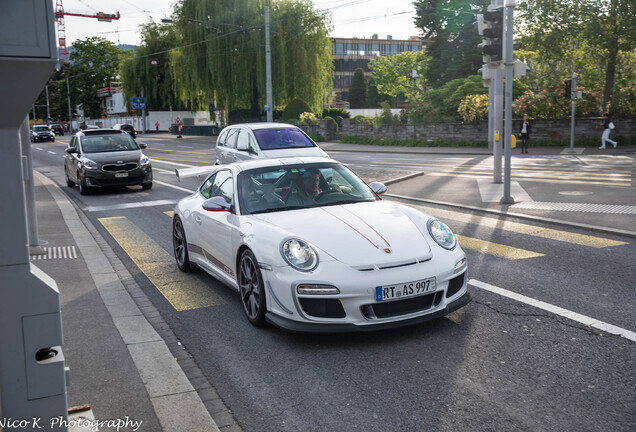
(41, 128)
(291, 187)
(108, 143)
(284, 138)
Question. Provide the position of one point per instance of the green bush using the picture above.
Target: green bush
(308, 118)
(474, 108)
(317, 137)
(412, 143)
(386, 116)
(295, 108)
(623, 102)
(335, 112)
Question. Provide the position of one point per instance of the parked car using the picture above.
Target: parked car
(309, 247)
(126, 127)
(57, 129)
(42, 133)
(106, 157)
(264, 140)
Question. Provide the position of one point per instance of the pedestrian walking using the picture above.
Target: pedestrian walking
(179, 124)
(608, 125)
(157, 126)
(525, 134)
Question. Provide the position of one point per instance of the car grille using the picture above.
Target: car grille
(120, 167)
(402, 307)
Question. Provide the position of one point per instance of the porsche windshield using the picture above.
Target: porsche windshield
(299, 186)
(108, 143)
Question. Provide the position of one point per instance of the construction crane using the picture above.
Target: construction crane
(61, 30)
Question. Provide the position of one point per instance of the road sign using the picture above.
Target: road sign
(138, 103)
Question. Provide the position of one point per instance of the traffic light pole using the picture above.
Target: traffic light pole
(509, 62)
(573, 97)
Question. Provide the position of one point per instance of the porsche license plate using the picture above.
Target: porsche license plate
(408, 289)
(120, 175)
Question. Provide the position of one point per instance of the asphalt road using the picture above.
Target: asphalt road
(497, 364)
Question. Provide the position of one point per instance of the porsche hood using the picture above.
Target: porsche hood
(361, 235)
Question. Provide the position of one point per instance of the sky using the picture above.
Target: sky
(350, 18)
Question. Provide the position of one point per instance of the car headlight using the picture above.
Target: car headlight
(442, 234)
(90, 165)
(144, 160)
(299, 254)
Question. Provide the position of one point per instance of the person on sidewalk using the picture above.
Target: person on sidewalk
(525, 134)
(608, 125)
(157, 126)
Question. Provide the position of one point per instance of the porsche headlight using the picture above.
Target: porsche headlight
(90, 165)
(442, 234)
(299, 254)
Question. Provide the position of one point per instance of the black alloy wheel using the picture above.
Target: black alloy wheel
(81, 183)
(69, 182)
(252, 289)
(180, 246)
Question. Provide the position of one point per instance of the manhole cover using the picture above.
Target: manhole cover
(576, 193)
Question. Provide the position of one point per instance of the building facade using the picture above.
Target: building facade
(350, 54)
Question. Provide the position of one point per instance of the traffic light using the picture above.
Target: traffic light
(568, 89)
(490, 26)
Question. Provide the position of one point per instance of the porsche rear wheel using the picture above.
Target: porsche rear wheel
(252, 289)
(180, 245)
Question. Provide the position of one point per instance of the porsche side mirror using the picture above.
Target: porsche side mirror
(142, 145)
(216, 203)
(377, 187)
(71, 150)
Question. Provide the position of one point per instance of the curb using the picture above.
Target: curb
(172, 395)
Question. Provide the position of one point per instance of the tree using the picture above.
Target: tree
(595, 38)
(402, 73)
(151, 69)
(454, 39)
(358, 90)
(221, 53)
(95, 64)
(373, 97)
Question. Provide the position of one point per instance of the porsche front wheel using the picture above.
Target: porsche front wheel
(252, 289)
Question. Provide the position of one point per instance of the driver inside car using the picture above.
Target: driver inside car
(309, 188)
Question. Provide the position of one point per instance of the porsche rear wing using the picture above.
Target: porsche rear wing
(195, 172)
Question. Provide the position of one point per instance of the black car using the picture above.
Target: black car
(106, 157)
(42, 133)
(126, 127)
(58, 129)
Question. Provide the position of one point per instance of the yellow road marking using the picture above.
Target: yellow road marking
(502, 251)
(183, 291)
(548, 233)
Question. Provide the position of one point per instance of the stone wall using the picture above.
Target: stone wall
(541, 130)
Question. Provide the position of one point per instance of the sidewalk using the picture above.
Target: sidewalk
(119, 363)
(585, 204)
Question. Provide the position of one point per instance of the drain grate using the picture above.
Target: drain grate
(577, 207)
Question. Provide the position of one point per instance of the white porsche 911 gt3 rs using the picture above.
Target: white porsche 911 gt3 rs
(311, 248)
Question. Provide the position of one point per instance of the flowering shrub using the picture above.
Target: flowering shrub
(551, 103)
(474, 108)
(623, 103)
(308, 118)
(420, 112)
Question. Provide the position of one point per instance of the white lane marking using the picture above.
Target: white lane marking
(174, 187)
(39, 148)
(585, 320)
(163, 171)
(492, 192)
(171, 163)
(49, 151)
(132, 205)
